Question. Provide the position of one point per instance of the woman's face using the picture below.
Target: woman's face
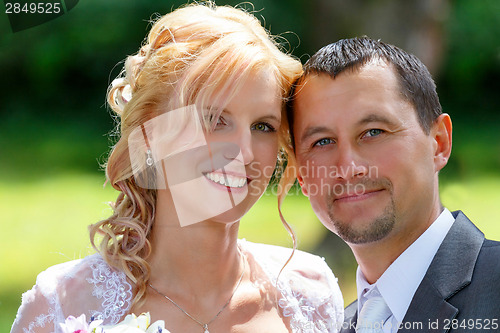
(217, 175)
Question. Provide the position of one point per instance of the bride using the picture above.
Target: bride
(200, 109)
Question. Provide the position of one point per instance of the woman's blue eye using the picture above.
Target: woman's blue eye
(323, 142)
(263, 127)
(373, 132)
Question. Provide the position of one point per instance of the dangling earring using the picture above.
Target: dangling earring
(149, 158)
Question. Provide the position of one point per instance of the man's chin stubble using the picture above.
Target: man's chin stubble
(376, 230)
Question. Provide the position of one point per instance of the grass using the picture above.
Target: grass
(45, 215)
(479, 199)
(45, 223)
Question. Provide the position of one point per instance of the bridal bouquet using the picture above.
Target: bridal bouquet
(131, 324)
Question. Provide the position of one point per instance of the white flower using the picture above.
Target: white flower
(131, 324)
(134, 324)
(157, 327)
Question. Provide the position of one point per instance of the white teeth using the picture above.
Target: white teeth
(226, 180)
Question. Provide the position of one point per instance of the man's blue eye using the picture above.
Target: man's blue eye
(374, 132)
(323, 142)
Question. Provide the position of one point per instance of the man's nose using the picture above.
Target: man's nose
(348, 162)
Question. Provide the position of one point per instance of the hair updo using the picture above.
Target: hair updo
(192, 55)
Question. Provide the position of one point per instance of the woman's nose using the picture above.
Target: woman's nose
(241, 149)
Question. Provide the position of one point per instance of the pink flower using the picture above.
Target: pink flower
(79, 325)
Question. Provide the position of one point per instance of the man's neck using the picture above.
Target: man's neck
(374, 258)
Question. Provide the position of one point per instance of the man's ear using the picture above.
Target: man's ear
(441, 132)
(303, 187)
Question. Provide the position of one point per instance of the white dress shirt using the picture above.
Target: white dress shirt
(401, 279)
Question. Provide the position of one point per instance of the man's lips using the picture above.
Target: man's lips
(356, 195)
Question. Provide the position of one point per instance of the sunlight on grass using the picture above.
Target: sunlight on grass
(263, 224)
(479, 199)
(48, 222)
(45, 223)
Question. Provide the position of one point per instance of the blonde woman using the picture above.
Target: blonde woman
(200, 107)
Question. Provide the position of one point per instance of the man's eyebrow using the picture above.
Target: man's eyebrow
(310, 131)
(371, 118)
(376, 118)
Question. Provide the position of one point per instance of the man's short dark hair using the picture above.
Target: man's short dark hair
(415, 81)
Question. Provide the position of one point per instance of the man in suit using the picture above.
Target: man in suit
(370, 138)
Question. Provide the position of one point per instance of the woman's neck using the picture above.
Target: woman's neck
(201, 259)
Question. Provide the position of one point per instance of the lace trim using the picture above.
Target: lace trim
(113, 287)
(308, 314)
(42, 319)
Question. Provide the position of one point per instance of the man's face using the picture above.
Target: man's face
(364, 161)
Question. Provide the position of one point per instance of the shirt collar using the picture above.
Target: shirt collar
(400, 281)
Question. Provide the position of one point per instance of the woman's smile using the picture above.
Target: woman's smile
(227, 180)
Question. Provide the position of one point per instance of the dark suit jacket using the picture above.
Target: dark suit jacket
(460, 291)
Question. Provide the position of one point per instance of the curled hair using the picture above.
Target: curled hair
(193, 55)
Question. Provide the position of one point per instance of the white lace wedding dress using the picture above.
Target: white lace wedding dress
(310, 295)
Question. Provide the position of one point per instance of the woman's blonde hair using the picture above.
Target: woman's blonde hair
(193, 54)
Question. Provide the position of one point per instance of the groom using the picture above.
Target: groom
(370, 138)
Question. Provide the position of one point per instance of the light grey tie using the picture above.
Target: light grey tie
(373, 315)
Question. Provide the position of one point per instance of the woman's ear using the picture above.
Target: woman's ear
(303, 187)
(441, 132)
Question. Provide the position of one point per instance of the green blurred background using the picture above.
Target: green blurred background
(54, 125)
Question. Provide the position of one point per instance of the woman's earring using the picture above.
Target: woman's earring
(149, 158)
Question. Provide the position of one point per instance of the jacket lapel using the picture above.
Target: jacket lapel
(350, 318)
(450, 271)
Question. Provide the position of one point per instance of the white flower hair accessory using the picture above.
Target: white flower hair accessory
(122, 95)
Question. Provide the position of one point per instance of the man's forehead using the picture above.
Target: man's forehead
(363, 97)
(373, 77)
